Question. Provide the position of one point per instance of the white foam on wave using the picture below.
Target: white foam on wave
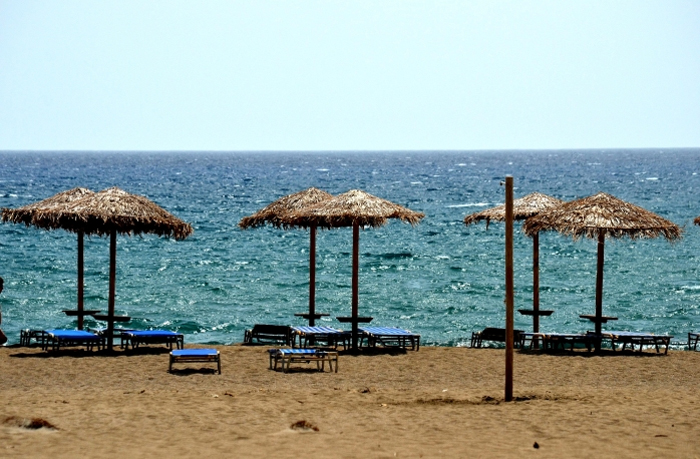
(471, 204)
(652, 179)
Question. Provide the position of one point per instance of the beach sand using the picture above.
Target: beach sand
(437, 402)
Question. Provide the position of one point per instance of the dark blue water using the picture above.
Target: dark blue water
(440, 278)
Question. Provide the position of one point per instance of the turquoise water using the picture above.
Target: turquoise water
(440, 278)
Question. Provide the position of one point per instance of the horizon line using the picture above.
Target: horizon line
(570, 149)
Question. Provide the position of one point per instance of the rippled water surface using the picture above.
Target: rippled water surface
(440, 278)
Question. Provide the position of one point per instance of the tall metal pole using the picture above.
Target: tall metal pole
(80, 280)
(509, 288)
(312, 277)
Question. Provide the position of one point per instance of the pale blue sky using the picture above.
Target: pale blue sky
(348, 75)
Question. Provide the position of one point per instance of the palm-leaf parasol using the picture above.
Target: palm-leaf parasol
(113, 211)
(275, 212)
(354, 208)
(36, 213)
(600, 216)
(523, 208)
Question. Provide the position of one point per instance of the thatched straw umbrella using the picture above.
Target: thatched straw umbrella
(274, 213)
(113, 211)
(36, 213)
(523, 208)
(353, 208)
(600, 216)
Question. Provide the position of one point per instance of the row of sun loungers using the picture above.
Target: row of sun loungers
(307, 336)
(589, 340)
(555, 341)
(54, 340)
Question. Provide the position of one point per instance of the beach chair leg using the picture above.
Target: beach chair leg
(218, 363)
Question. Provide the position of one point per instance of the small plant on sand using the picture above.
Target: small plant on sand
(305, 426)
(28, 423)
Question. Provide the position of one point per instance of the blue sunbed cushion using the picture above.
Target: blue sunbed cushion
(193, 352)
(317, 330)
(293, 351)
(72, 334)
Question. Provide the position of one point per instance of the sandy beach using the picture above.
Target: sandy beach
(437, 402)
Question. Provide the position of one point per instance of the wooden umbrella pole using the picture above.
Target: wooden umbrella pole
(599, 283)
(536, 282)
(355, 280)
(80, 279)
(312, 277)
(509, 289)
(112, 288)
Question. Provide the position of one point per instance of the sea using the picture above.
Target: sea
(440, 279)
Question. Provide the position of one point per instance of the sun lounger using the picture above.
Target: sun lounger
(285, 357)
(494, 334)
(555, 341)
(636, 339)
(195, 356)
(55, 339)
(390, 337)
(135, 338)
(693, 341)
(313, 336)
(265, 334)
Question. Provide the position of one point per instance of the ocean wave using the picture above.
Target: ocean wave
(471, 204)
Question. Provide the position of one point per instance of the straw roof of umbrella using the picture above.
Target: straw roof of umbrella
(275, 212)
(114, 209)
(523, 208)
(590, 216)
(38, 213)
(352, 207)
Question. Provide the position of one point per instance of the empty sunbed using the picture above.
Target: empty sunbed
(390, 337)
(135, 338)
(195, 356)
(636, 339)
(313, 336)
(266, 334)
(693, 341)
(55, 339)
(285, 357)
(556, 341)
(494, 334)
